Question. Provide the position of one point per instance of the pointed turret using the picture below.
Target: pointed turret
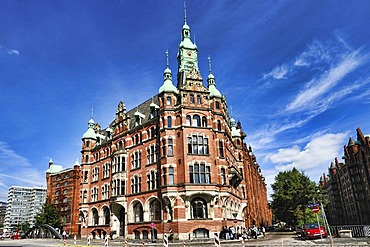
(351, 142)
(213, 91)
(234, 132)
(90, 133)
(167, 79)
(188, 52)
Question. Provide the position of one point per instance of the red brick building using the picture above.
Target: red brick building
(63, 190)
(348, 184)
(176, 161)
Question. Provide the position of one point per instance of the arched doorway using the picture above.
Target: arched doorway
(118, 219)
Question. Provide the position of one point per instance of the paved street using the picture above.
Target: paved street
(283, 239)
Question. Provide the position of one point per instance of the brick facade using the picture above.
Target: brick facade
(176, 161)
(63, 191)
(348, 184)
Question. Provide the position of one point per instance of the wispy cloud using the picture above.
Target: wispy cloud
(9, 51)
(278, 73)
(307, 99)
(17, 170)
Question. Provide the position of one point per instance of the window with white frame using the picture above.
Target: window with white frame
(136, 184)
(152, 153)
(196, 121)
(171, 176)
(200, 173)
(95, 174)
(198, 209)
(106, 170)
(136, 160)
(170, 146)
(94, 194)
(105, 191)
(152, 180)
(198, 144)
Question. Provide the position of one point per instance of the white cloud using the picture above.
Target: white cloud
(13, 52)
(278, 72)
(319, 151)
(9, 51)
(308, 98)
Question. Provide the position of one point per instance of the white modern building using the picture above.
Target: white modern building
(23, 205)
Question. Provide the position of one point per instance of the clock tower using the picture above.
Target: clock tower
(188, 52)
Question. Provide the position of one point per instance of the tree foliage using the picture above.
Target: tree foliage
(292, 192)
(49, 215)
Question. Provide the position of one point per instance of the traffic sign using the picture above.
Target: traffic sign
(152, 225)
(315, 209)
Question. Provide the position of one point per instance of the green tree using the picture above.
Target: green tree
(292, 192)
(49, 215)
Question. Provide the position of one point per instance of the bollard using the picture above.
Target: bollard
(217, 240)
(88, 240)
(165, 241)
(125, 245)
(106, 240)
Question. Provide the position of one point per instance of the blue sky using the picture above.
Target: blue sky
(296, 74)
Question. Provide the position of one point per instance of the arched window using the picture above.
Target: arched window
(106, 216)
(169, 101)
(145, 234)
(95, 217)
(155, 210)
(201, 233)
(138, 212)
(198, 209)
(196, 121)
(137, 234)
(204, 122)
(169, 122)
(188, 120)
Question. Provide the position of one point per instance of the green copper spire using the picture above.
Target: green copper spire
(188, 52)
(213, 91)
(167, 85)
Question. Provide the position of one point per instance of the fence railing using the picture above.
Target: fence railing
(357, 230)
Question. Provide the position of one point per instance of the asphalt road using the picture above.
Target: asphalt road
(282, 239)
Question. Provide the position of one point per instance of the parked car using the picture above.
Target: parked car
(312, 230)
(288, 228)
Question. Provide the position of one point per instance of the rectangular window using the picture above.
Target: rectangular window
(217, 105)
(170, 147)
(200, 173)
(171, 176)
(198, 100)
(197, 144)
(169, 122)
